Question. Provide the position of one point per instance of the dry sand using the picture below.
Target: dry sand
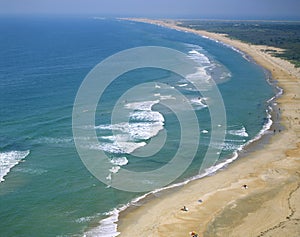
(270, 206)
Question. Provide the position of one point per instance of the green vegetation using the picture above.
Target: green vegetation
(284, 35)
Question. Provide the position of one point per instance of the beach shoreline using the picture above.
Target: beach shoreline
(270, 203)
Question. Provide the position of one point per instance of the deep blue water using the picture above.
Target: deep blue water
(45, 187)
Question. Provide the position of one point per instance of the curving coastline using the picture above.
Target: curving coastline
(270, 204)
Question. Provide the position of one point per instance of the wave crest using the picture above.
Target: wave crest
(10, 159)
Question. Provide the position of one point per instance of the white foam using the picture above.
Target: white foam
(117, 137)
(167, 97)
(10, 159)
(279, 93)
(145, 131)
(194, 46)
(128, 136)
(198, 57)
(225, 75)
(200, 76)
(114, 169)
(191, 89)
(107, 227)
(31, 171)
(108, 177)
(144, 105)
(117, 147)
(147, 116)
(228, 146)
(86, 218)
(236, 140)
(219, 166)
(228, 46)
(204, 64)
(182, 85)
(200, 102)
(263, 131)
(265, 128)
(239, 132)
(53, 140)
(135, 131)
(120, 161)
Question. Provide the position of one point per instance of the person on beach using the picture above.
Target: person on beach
(193, 234)
(184, 208)
(245, 186)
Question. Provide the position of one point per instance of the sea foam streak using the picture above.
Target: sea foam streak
(143, 124)
(199, 57)
(119, 161)
(10, 159)
(239, 132)
(199, 102)
(117, 147)
(107, 227)
(128, 136)
(208, 70)
(201, 74)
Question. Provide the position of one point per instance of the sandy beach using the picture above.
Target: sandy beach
(269, 206)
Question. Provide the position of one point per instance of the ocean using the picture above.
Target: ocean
(45, 188)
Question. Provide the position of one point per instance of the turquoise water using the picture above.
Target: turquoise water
(45, 189)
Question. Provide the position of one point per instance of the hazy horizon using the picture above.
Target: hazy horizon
(214, 9)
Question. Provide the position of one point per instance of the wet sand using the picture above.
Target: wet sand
(269, 206)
